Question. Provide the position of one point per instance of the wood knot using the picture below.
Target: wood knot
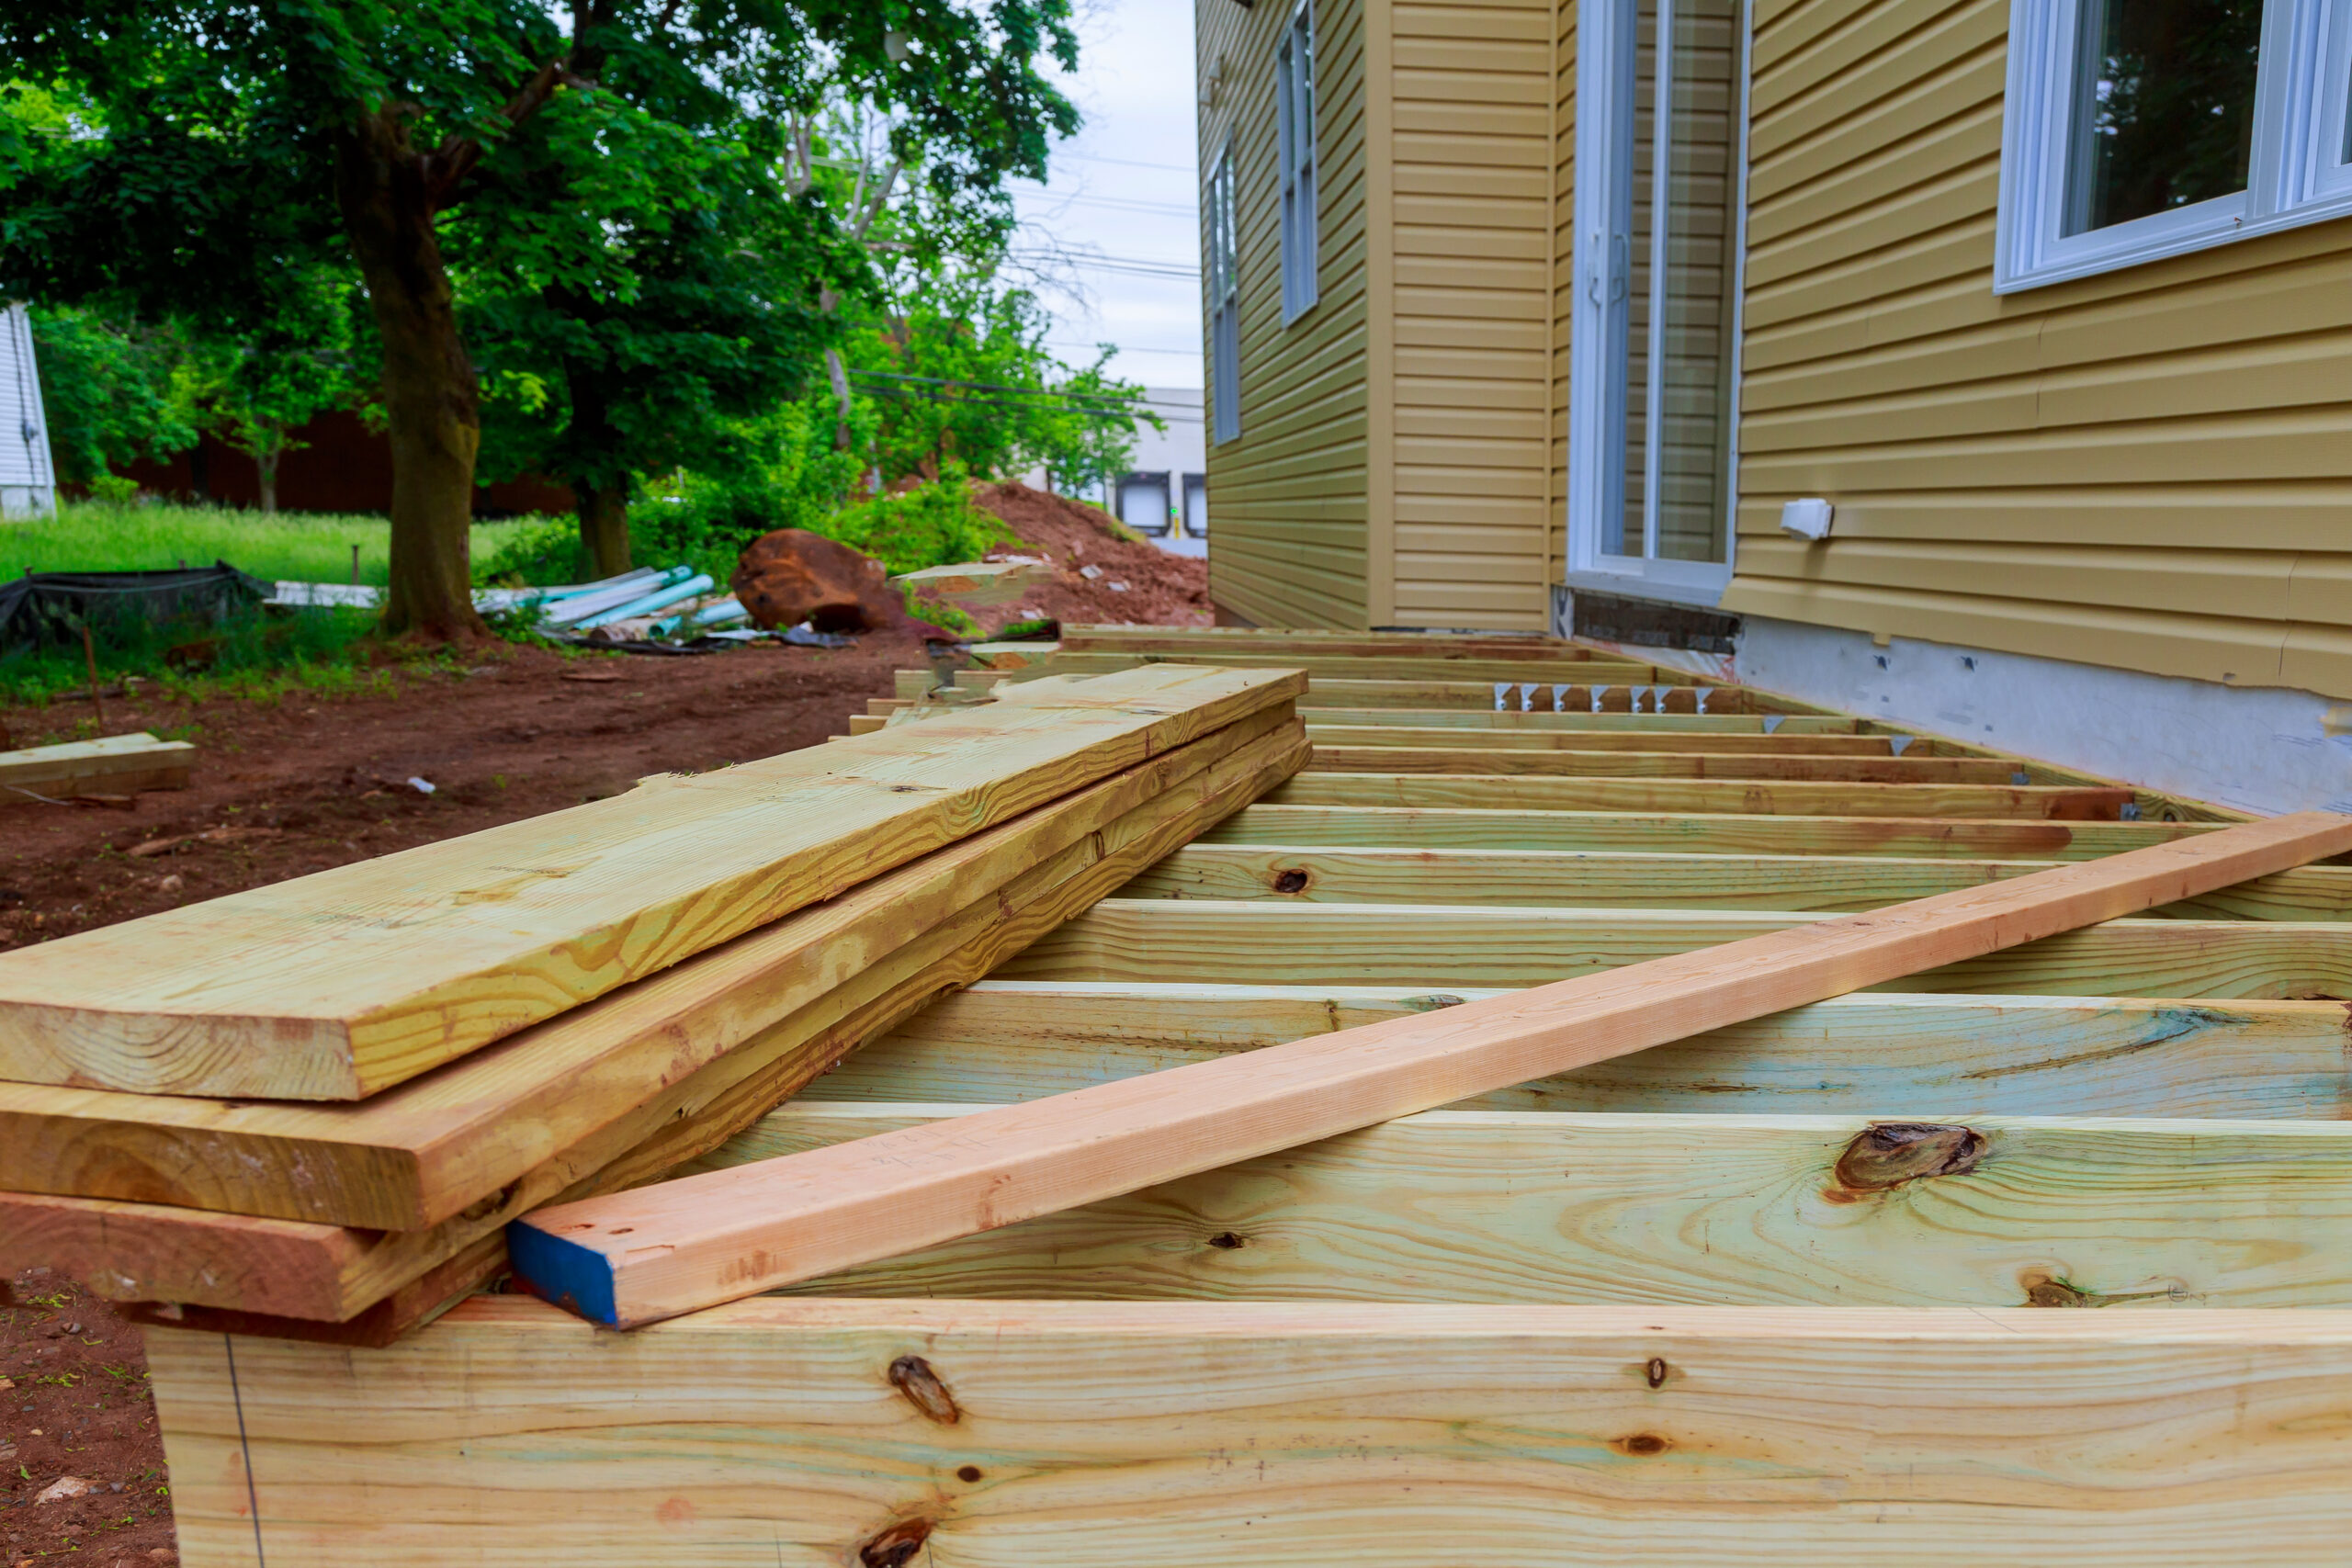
(912, 1376)
(896, 1546)
(1227, 1240)
(1642, 1445)
(1291, 879)
(1893, 1153)
(969, 1474)
(2047, 1290)
(1656, 1372)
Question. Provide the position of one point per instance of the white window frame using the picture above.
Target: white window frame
(1222, 272)
(1597, 343)
(2297, 173)
(1294, 133)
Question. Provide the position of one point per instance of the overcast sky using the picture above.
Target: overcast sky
(1120, 201)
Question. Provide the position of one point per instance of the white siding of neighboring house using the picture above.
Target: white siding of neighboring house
(28, 479)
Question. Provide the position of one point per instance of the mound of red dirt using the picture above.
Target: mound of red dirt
(1139, 584)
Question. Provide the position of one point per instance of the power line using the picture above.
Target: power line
(1131, 164)
(1116, 203)
(1137, 265)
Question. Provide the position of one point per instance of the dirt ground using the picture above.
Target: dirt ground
(1140, 583)
(312, 780)
(76, 1422)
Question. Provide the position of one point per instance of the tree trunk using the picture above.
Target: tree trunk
(431, 399)
(603, 528)
(270, 444)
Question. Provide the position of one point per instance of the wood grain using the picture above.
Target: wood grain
(117, 764)
(1387, 786)
(1538, 878)
(1694, 832)
(426, 1151)
(1697, 1210)
(1523, 738)
(1871, 1053)
(1471, 757)
(307, 1271)
(1330, 1434)
(339, 984)
(1258, 942)
(682, 1245)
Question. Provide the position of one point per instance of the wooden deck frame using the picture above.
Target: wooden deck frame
(2098, 1136)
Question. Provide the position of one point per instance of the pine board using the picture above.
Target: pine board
(323, 1272)
(1543, 1207)
(1872, 1054)
(341, 984)
(678, 1246)
(1694, 832)
(1321, 1434)
(1259, 941)
(1556, 878)
(1338, 757)
(1387, 786)
(428, 1150)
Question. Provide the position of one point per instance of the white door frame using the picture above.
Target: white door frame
(1608, 45)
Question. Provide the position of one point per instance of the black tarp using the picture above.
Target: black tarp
(52, 607)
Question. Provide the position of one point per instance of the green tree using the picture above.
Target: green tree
(255, 388)
(108, 386)
(230, 141)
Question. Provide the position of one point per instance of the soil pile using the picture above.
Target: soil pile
(1161, 588)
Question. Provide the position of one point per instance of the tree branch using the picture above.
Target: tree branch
(449, 165)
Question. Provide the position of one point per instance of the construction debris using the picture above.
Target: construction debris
(114, 764)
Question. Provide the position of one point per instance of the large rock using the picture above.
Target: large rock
(792, 575)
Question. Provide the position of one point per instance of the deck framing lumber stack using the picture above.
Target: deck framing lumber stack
(2038, 1253)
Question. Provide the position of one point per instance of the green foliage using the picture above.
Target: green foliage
(108, 387)
(595, 183)
(254, 383)
(961, 373)
(930, 524)
(253, 652)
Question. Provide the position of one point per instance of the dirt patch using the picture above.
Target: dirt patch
(77, 1423)
(311, 781)
(1161, 588)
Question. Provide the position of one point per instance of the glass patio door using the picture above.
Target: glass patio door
(1652, 345)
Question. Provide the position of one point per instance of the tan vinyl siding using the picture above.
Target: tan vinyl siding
(1472, 98)
(1564, 282)
(1288, 499)
(2149, 469)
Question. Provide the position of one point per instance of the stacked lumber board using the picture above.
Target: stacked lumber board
(1801, 1279)
(311, 1107)
(113, 765)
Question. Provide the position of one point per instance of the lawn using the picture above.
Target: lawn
(304, 546)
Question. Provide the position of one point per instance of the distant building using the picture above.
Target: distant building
(1165, 496)
(27, 476)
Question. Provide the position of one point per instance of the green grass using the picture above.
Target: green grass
(304, 546)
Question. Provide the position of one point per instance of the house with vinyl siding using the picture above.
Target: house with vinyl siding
(1600, 313)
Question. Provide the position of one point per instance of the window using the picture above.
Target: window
(1294, 118)
(2142, 129)
(1225, 305)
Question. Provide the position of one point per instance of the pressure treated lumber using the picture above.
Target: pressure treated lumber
(1440, 828)
(113, 765)
(1258, 942)
(1327, 667)
(319, 1272)
(1462, 737)
(1752, 797)
(638, 1256)
(344, 983)
(1540, 877)
(1729, 721)
(1152, 1435)
(1871, 1053)
(1474, 759)
(428, 1150)
(1187, 641)
(1616, 698)
(1697, 1210)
